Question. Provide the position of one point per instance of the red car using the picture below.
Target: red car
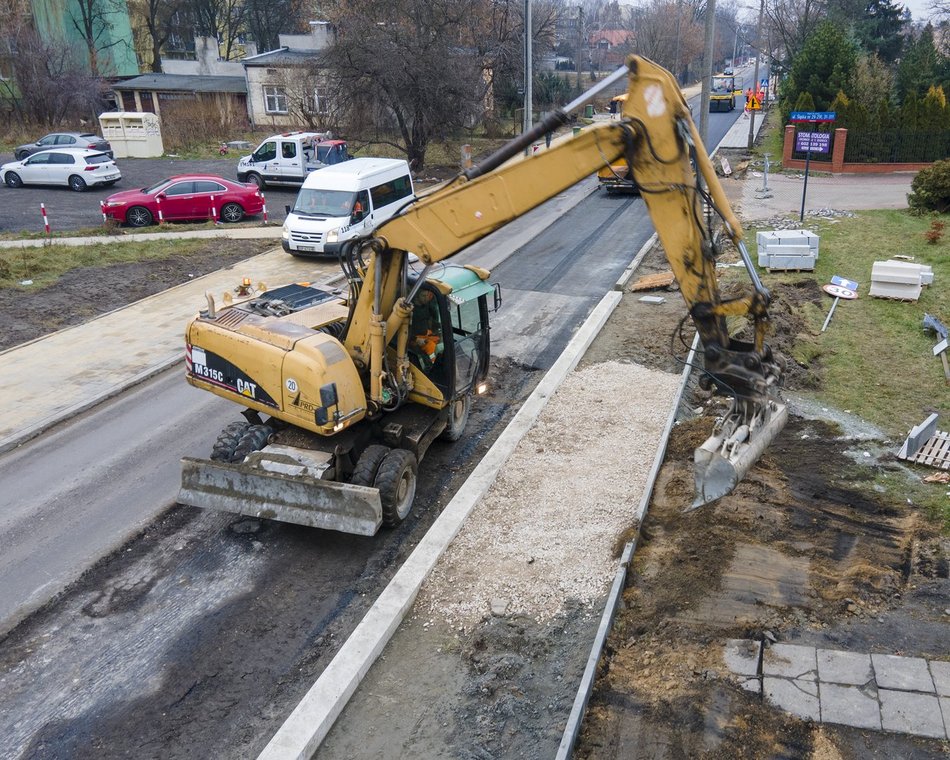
(187, 196)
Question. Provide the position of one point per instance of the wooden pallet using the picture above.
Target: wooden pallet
(934, 453)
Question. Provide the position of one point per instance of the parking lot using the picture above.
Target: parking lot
(68, 210)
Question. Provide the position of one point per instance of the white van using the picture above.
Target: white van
(346, 201)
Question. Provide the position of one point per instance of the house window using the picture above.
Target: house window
(321, 103)
(275, 100)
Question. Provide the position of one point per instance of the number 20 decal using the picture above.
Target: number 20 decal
(291, 385)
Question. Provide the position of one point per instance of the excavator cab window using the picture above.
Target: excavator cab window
(427, 347)
(470, 338)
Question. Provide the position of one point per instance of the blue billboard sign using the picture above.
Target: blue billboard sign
(816, 142)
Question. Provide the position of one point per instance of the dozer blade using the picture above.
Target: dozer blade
(727, 455)
(299, 498)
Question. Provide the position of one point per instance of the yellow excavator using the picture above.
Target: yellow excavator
(357, 383)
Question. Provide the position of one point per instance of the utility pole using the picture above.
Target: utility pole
(707, 70)
(528, 73)
(676, 55)
(755, 76)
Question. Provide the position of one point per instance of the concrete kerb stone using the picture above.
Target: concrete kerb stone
(242, 233)
(311, 720)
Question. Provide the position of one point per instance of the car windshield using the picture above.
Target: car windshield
(156, 187)
(324, 202)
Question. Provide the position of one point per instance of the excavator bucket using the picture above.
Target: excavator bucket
(729, 453)
(276, 485)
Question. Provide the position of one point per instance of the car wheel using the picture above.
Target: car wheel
(137, 216)
(12, 179)
(257, 179)
(21, 155)
(77, 183)
(232, 212)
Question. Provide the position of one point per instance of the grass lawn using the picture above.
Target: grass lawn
(46, 265)
(875, 357)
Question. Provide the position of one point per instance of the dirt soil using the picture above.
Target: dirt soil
(806, 550)
(85, 293)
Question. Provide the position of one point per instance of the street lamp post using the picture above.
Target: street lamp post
(755, 76)
(528, 73)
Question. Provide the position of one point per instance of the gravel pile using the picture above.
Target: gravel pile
(546, 530)
(786, 222)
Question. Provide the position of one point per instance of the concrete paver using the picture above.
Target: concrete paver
(844, 667)
(907, 712)
(849, 706)
(790, 661)
(903, 673)
(793, 695)
(742, 656)
(941, 674)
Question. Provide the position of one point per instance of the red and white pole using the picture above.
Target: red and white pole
(264, 202)
(45, 218)
(161, 219)
(214, 211)
(102, 208)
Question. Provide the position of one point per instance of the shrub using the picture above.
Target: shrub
(935, 233)
(930, 189)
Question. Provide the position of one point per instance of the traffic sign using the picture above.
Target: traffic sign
(812, 116)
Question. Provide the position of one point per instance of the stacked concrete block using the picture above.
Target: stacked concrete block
(900, 280)
(787, 249)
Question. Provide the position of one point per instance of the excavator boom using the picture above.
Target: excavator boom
(674, 174)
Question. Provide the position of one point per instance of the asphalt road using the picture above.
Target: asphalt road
(68, 210)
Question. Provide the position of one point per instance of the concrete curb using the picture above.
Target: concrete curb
(252, 233)
(311, 720)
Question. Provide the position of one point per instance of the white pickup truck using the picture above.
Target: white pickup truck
(288, 158)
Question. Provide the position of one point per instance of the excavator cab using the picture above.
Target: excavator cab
(448, 333)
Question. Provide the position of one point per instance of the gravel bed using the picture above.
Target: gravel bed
(546, 531)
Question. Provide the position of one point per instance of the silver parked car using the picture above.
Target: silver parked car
(77, 168)
(64, 140)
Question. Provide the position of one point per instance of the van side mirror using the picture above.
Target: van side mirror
(287, 209)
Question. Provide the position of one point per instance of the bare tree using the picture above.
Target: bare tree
(791, 22)
(266, 19)
(47, 86)
(221, 19)
(158, 19)
(407, 70)
(93, 20)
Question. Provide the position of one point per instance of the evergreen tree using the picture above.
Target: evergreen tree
(825, 65)
(880, 29)
(919, 67)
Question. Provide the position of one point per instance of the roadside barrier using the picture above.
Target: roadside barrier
(214, 212)
(45, 219)
(158, 202)
(264, 201)
(102, 208)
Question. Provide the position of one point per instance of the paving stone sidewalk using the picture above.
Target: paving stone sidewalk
(882, 692)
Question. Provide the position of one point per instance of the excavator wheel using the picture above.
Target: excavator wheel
(228, 439)
(396, 481)
(364, 474)
(254, 439)
(458, 417)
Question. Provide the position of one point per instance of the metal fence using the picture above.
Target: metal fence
(896, 146)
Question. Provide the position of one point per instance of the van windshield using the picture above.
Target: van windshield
(311, 202)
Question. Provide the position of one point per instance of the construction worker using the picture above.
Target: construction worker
(426, 329)
(748, 98)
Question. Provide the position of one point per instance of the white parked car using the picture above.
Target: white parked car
(77, 168)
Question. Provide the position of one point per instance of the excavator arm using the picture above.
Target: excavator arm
(659, 141)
